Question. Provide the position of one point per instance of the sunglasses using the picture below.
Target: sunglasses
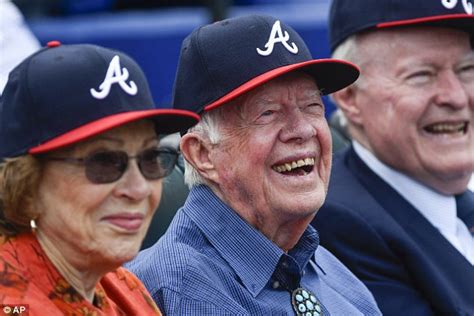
(109, 166)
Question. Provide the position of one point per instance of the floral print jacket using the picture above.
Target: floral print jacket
(29, 279)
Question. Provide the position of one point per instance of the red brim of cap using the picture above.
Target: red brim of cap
(166, 121)
(459, 20)
(330, 75)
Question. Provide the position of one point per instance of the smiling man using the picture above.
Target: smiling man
(258, 166)
(398, 211)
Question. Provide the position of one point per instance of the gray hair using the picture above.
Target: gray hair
(349, 50)
(208, 127)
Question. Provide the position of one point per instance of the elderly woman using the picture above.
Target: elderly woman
(81, 177)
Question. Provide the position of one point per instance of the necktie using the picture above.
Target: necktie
(465, 209)
(304, 302)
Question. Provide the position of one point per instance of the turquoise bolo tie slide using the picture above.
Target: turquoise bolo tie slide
(305, 303)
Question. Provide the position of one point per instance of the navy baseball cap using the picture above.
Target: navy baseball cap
(348, 17)
(63, 94)
(220, 61)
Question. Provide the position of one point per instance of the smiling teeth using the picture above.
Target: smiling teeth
(294, 164)
(446, 128)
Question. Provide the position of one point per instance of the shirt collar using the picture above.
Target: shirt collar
(438, 209)
(251, 255)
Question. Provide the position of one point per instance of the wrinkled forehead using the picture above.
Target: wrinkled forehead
(297, 85)
(382, 48)
(389, 38)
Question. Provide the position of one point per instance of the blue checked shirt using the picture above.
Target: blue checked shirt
(212, 262)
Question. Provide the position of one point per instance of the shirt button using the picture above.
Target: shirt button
(276, 284)
(285, 264)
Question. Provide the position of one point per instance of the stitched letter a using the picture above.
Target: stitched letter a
(115, 74)
(276, 36)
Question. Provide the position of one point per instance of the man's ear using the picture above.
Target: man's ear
(196, 150)
(346, 100)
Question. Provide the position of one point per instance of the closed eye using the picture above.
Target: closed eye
(419, 77)
(466, 72)
(267, 113)
(316, 108)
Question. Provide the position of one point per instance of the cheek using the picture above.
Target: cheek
(325, 147)
(248, 152)
(69, 191)
(66, 209)
(77, 202)
(242, 167)
(389, 118)
(324, 138)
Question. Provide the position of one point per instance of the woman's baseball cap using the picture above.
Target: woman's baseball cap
(348, 17)
(63, 94)
(220, 61)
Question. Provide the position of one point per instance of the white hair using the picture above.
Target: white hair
(349, 50)
(208, 127)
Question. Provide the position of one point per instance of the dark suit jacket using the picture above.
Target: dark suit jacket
(407, 264)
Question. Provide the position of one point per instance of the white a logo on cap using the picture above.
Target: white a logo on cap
(450, 4)
(276, 36)
(115, 74)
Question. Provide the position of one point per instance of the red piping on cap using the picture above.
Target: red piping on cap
(106, 123)
(426, 20)
(259, 80)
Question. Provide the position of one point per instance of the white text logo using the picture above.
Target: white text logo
(276, 36)
(450, 4)
(115, 74)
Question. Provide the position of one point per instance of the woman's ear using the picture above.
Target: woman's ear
(346, 100)
(196, 150)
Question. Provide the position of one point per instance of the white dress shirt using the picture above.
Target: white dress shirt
(437, 208)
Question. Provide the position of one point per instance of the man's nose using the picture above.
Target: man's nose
(453, 92)
(298, 127)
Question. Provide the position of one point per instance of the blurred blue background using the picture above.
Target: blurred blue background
(152, 31)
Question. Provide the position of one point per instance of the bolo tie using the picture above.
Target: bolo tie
(304, 302)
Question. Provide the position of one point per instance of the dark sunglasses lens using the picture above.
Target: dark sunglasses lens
(106, 167)
(155, 164)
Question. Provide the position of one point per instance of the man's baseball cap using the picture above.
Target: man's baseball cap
(221, 61)
(63, 94)
(348, 17)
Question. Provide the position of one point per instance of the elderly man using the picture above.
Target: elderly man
(398, 213)
(258, 166)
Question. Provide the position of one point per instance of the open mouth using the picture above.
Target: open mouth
(300, 167)
(459, 128)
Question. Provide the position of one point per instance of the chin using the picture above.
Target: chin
(313, 202)
(449, 182)
(301, 211)
(121, 251)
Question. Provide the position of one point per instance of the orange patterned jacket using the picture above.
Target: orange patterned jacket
(28, 277)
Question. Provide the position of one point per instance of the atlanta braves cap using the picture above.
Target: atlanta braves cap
(63, 94)
(221, 61)
(348, 17)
